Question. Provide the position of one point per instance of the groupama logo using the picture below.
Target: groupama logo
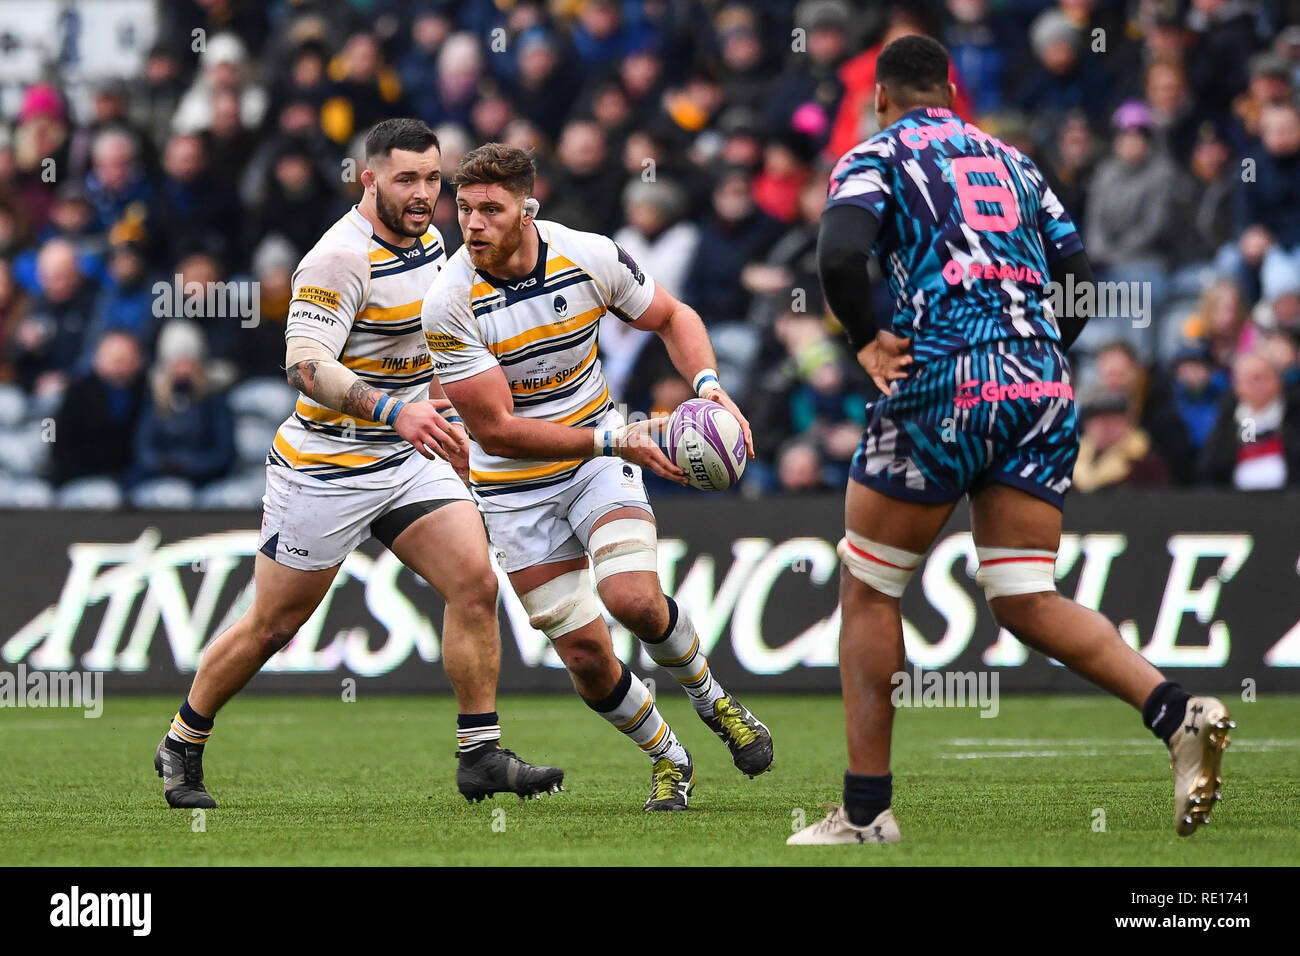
(967, 395)
(970, 393)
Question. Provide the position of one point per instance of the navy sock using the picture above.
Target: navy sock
(194, 718)
(1164, 709)
(865, 798)
(189, 728)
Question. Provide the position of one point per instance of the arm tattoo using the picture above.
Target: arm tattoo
(360, 400)
(302, 376)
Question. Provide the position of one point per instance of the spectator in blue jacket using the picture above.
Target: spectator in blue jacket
(47, 343)
(73, 218)
(127, 300)
(187, 431)
(734, 232)
(1063, 76)
(1268, 208)
(1197, 390)
(116, 179)
(982, 45)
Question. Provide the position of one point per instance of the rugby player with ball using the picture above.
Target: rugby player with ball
(371, 450)
(512, 323)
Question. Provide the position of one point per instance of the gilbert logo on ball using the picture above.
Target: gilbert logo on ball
(705, 441)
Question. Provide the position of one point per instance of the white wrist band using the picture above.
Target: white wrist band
(703, 377)
(606, 442)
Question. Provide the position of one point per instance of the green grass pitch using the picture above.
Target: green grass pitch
(309, 780)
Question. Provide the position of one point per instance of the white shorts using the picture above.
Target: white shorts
(310, 524)
(557, 528)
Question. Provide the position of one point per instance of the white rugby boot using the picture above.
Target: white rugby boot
(837, 828)
(1195, 751)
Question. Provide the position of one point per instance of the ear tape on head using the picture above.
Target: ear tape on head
(532, 207)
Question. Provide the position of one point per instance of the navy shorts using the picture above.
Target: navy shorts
(1000, 412)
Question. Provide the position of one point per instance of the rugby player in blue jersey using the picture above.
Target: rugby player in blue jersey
(976, 400)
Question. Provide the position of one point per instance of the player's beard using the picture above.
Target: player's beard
(394, 216)
(498, 253)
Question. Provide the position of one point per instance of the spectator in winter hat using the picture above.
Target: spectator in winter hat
(223, 67)
(187, 430)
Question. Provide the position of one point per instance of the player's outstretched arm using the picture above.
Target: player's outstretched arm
(484, 401)
(687, 341)
(313, 370)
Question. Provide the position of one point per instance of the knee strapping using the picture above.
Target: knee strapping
(885, 568)
(1005, 572)
(624, 544)
(562, 604)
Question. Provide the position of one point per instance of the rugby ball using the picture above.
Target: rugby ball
(706, 442)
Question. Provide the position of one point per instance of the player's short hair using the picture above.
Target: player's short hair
(497, 163)
(387, 135)
(913, 69)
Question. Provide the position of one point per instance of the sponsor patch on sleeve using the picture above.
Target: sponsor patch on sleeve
(632, 267)
(442, 342)
(315, 294)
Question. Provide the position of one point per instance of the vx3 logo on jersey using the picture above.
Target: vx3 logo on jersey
(526, 284)
(969, 394)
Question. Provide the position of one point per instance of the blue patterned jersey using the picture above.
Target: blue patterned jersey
(968, 226)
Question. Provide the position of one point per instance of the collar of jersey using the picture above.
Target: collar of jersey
(921, 113)
(402, 253)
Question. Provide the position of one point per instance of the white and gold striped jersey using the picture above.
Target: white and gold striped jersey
(359, 296)
(542, 331)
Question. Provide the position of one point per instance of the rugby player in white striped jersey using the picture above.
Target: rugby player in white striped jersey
(350, 462)
(512, 324)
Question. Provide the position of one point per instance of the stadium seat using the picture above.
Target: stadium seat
(24, 449)
(253, 436)
(241, 491)
(13, 406)
(169, 493)
(91, 494)
(23, 492)
(44, 406)
(268, 398)
(736, 345)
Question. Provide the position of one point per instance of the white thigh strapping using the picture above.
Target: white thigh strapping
(624, 544)
(1005, 572)
(885, 568)
(563, 604)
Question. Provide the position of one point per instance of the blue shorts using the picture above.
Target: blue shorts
(1000, 412)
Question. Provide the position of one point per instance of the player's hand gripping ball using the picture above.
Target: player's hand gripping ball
(706, 442)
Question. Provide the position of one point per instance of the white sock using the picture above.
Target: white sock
(632, 711)
(680, 655)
